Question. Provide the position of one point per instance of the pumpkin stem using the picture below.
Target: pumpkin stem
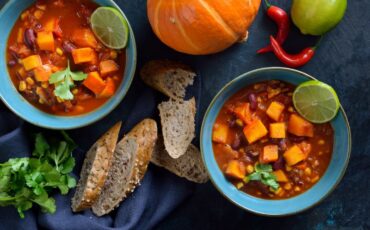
(268, 4)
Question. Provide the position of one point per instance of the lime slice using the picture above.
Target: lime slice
(316, 101)
(110, 27)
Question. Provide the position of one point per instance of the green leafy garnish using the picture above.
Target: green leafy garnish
(28, 181)
(64, 81)
(264, 174)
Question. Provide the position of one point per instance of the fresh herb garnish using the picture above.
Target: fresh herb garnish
(64, 81)
(27, 181)
(264, 173)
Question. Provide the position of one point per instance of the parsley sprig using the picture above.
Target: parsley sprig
(28, 181)
(64, 81)
(264, 173)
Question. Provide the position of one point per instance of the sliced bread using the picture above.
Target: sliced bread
(178, 125)
(189, 166)
(95, 170)
(131, 159)
(169, 77)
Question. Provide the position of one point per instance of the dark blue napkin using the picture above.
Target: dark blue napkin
(160, 191)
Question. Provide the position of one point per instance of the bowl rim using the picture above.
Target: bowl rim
(115, 100)
(266, 214)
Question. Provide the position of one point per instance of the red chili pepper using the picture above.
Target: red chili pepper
(283, 22)
(292, 60)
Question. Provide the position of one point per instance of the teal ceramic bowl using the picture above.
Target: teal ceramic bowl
(331, 178)
(15, 101)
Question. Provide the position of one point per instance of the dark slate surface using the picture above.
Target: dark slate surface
(343, 60)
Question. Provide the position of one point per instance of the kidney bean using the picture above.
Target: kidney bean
(38, 27)
(262, 187)
(232, 122)
(236, 142)
(279, 164)
(252, 153)
(282, 145)
(68, 47)
(12, 63)
(297, 139)
(253, 101)
(92, 68)
(30, 38)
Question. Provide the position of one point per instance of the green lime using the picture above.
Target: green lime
(316, 101)
(317, 17)
(110, 27)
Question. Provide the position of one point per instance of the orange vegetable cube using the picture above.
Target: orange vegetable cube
(83, 55)
(294, 155)
(45, 41)
(108, 67)
(42, 73)
(274, 110)
(235, 169)
(94, 83)
(22, 72)
(84, 38)
(280, 176)
(243, 112)
(109, 89)
(299, 126)
(255, 131)
(20, 35)
(305, 147)
(220, 133)
(32, 62)
(270, 154)
(277, 130)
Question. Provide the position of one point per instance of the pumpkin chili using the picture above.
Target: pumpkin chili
(265, 148)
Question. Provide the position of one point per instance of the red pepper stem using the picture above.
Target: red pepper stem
(318, 43)
(268, 4)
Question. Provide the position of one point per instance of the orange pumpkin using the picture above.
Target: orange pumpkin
(201, 26)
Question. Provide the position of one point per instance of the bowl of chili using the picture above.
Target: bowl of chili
(262, 155)
(46, 38)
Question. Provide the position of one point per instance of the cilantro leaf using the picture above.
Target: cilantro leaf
(64, 81)
(264, 174)
(41, 146)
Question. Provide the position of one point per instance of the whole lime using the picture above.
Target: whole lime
(317, 17)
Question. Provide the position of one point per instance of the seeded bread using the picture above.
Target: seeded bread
(131, 159)
(95, 170)
(169, 77)
(189, 166)
(178, 125)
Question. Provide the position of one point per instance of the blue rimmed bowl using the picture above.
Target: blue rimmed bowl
(17, 103)
(328, 182)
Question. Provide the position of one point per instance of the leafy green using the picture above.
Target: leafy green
(28, 181)
(64, 81)
(264, 174)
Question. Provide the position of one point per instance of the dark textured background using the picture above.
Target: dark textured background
(342, 60)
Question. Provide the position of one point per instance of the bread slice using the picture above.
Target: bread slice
(178, 125)
(169, 77)
(95, 170)
(189, 166)
(131, 159)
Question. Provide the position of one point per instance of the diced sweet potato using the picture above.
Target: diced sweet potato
(94, 83)
(277, 130)
(108, 67)
(83, 55)
(236, 170)
(32, 62)
(53, 26)
(255, 131)
(42, 73)
(299, 126)
(274, 110)
(84, 38)
(243, 112)
(220, 133)
(45, 41)
(22, 72)
(20, 35)
(270, 154)
(305, 147)
(294, 155)
(109, 89)
(280, 176)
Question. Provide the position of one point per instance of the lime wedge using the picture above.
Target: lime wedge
(110, 27)
(316, 101)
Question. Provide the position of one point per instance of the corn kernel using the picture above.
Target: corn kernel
(59, 51)
(288, 168)
(60, 100)
(250, 169)
(45, 85)
(24, 15)
(321, 142)
(320, 153)
(41, 7)
(22, 86)
(239, 122)
(291, 109)
(280, 192)
(113, 54)
(79, 108)
(41, 101)
(308, 171)
(259, 99)
(38, 14)
(239, 185)
(246, 179)
(30, 81)
(297, 189)
(287, 186)
(315, 179)
(75, 91)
